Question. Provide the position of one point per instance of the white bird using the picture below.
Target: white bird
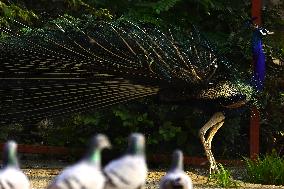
(11, 176)
(130, 170)
(87, 173)
(176, 178)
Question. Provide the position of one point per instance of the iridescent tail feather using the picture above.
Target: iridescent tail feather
(69, 67)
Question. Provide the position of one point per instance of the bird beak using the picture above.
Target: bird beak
(109, 146)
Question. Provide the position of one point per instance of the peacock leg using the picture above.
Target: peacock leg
(215, 123)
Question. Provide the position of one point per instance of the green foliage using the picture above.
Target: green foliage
(117, 122)
(14, 11)
(164, 5)
(158, 128)
(266, 170)
(222, 20)
(12, 131)
(78, 3)
(228, 138)
(172, 126)
(131, 119)
(168, 131)
(272, 115)
(66, 21)
(223, 178)
(274, 21)
(90, 8)
(103, 14)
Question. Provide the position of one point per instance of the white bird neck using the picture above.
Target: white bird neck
(95, 157)
(10, 157)
(177, 161)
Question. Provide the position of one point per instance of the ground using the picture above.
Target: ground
(41, 174)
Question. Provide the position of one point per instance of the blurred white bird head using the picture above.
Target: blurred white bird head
(136, 144)
(10, 154)
(100, 141)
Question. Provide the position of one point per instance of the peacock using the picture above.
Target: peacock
(258, 55)
(81, 65)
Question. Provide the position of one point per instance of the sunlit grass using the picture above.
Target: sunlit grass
(223, 178)
(266, 170)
